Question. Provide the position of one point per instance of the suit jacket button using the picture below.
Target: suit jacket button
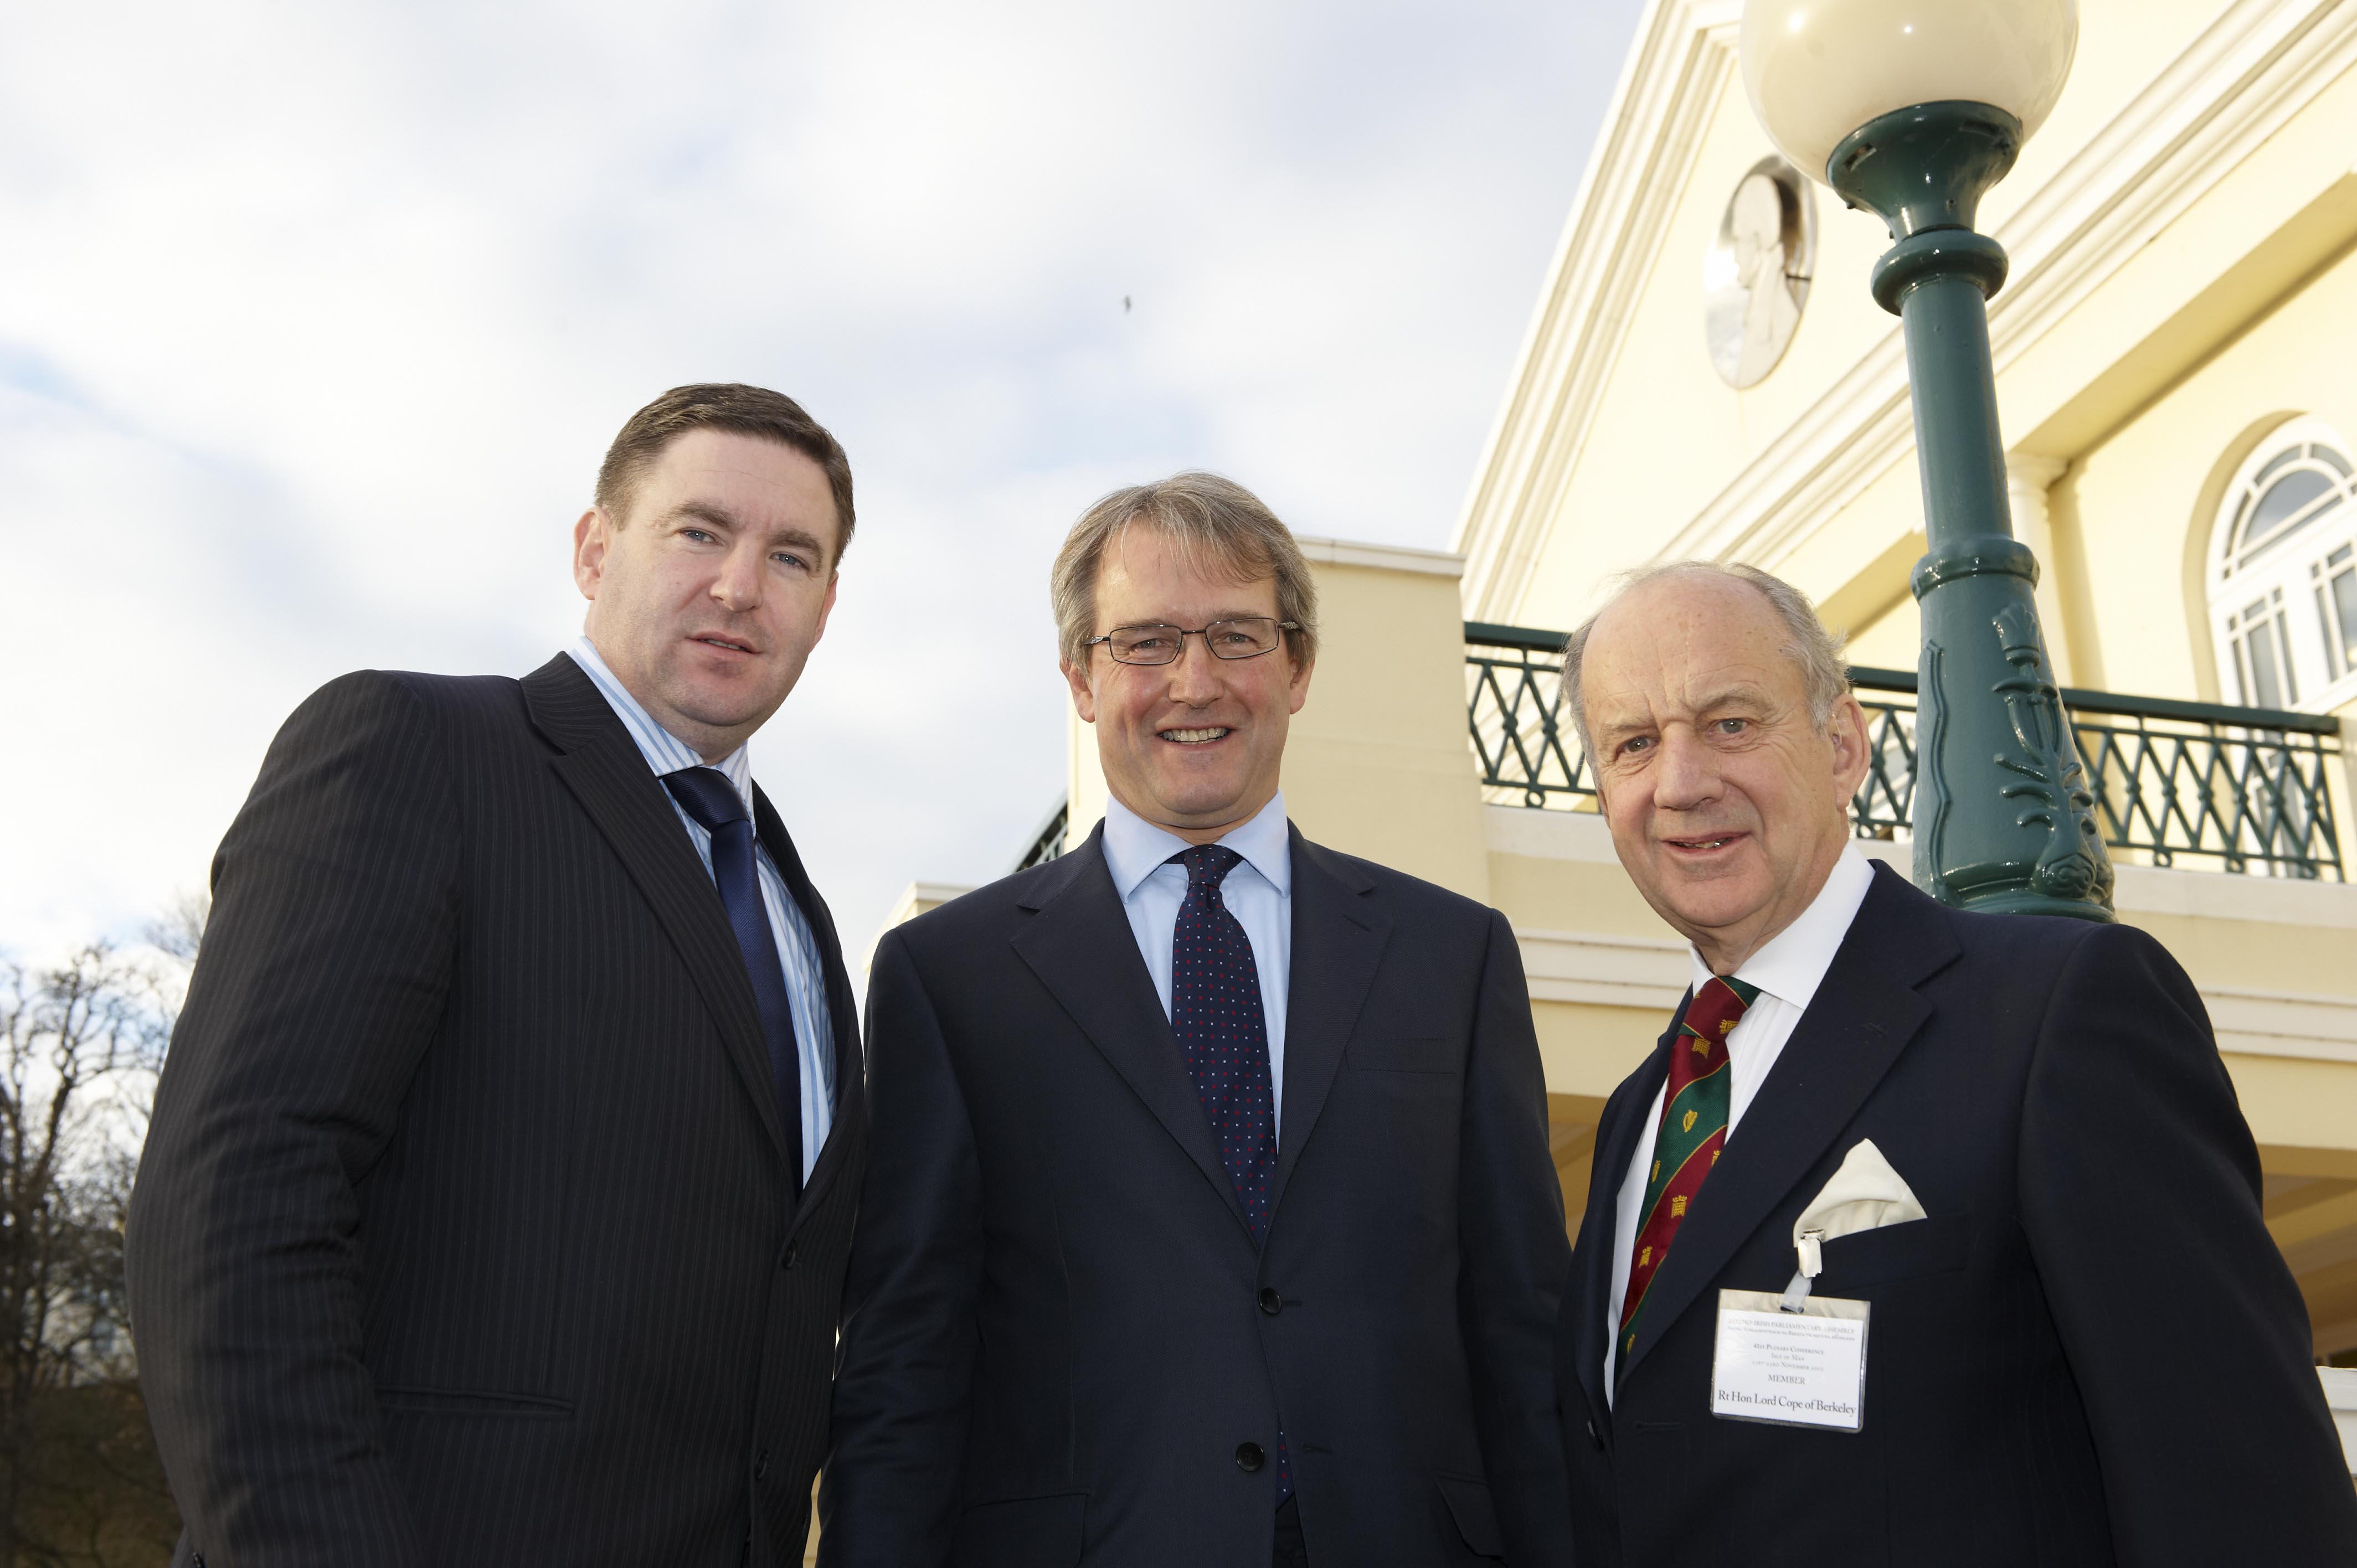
(1595, 1436)
(786, 1258)
(1249, 1458)
(762, 1465)
(1270, 1302)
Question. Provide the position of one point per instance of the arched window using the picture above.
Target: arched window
(2283, 582)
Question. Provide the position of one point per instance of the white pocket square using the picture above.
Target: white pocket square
(1866, 1194)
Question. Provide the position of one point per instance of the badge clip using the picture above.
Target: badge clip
(1809, 1247)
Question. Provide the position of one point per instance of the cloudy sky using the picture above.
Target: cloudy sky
(315, 320)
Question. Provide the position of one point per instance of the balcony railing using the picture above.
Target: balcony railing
(2199, 784)
(1048, 841)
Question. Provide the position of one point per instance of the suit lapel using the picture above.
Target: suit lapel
(1864, 1014)
(1337, 941)
(605, 770)
(843, 1015)
(1595, 1314)
(1077, 941)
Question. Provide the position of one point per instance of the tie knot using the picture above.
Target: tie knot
(1206, 864)
(705, 794)
(1717, 1007)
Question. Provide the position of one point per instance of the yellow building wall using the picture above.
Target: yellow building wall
(2141, 505)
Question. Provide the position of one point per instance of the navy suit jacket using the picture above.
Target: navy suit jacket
(1059, 1330)
(2088, 1352)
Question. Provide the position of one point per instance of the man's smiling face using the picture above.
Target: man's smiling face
(1196, 745)
(1729, 803)
(707, 598)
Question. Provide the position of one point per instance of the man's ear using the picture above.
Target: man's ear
(1297, 689)
(826, 606)
(1845, 728)
(1084, 700)
(590, 537)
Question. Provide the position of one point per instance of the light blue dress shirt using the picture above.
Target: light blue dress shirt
(797, 947)
(1259, 893)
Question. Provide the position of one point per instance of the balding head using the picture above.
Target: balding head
(1726, 747)
(1815, 651)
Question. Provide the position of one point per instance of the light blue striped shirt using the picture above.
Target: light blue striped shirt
(797, 947)
(1259, 894)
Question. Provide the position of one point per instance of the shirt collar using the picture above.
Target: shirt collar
(665, 752)
(1792, 963)
(1135, 848)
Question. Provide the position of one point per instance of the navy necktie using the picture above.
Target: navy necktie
(705, 794)
(1215, 1012)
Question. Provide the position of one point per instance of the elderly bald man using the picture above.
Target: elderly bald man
(1921, 1237)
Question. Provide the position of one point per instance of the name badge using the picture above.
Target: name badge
(1793, 1369)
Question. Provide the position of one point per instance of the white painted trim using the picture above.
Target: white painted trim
(1537, 834)
(1384, 557)
(2140, 889)
(2283, 1022)
(1651, 973)
(1670, 87)
(2258, 65)
(1647, 973)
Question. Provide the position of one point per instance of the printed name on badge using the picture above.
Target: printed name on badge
(1790, 1369)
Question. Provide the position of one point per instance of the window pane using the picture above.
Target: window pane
(2345, 602)
(2272, 470)
(2286, 496)
(2336, 662)
(2266, 684)
(2282, 647)
(2339, 462)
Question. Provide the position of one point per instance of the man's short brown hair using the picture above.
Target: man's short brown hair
(722, 405)
(1219, 527)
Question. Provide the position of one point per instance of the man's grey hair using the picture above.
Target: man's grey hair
(1218, 528)
(1818, 652)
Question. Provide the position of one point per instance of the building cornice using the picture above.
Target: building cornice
(1653, 129)
(2258, 65)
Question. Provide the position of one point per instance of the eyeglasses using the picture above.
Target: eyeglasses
(1246, 639)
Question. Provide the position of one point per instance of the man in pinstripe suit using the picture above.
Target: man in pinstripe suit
(501, 1177)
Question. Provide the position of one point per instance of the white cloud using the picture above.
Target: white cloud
(314, 321)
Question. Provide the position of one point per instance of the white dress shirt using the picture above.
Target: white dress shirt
(1787, 970)
(797, 947)
(1258, 892)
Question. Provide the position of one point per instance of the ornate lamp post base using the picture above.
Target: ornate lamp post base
(2004, 819)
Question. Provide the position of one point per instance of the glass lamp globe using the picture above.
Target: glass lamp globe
(1818, 70)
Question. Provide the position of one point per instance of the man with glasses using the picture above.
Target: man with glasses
(1210, 1218)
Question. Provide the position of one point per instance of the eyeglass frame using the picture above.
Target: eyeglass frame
(1202, 631)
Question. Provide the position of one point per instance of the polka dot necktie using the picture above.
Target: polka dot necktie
(1215, 1012)
(1686, 1144)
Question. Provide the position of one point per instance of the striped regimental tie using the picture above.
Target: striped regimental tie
(1687, 1144)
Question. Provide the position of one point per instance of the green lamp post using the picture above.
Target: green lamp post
(1913, 109)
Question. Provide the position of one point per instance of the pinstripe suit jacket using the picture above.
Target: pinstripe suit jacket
(464, 1233)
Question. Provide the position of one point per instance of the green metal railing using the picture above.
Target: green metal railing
(2206, 784)
(1048, 843)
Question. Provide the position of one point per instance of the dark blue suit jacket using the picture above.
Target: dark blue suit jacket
(1059, 1330)
(2088, 1352)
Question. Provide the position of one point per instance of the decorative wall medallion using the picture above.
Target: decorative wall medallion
(1755, 277)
